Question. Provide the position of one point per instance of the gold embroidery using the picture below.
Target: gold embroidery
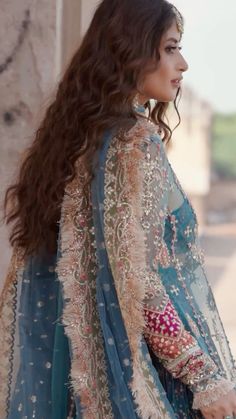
(211, 393)
(8, 303)
(193, 325)
(137, 185)
(77, 269)
(133, 173)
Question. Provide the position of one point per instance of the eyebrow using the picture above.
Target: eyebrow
(173, 40)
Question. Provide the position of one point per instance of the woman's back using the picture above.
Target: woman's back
(106, 311)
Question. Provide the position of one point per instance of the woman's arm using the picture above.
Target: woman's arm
(137, 185)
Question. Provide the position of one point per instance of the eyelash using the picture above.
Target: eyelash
(170, 50)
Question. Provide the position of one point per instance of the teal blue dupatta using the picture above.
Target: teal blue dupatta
(72, 339)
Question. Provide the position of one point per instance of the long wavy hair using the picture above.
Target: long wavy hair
(95, 94)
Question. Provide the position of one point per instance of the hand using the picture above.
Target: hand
(224, 406)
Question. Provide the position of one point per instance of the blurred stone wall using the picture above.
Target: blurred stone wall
(27, 72)
(38, 39)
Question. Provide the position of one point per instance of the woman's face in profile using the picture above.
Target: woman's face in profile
(163, 83)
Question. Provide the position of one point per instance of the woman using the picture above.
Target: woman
(97, 199)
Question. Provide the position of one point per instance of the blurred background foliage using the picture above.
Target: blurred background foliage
(224, 145)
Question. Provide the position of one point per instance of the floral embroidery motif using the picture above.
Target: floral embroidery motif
(211, 392)
(77, 269)
(138, 180)
(129, 174)
(166, 323)
(171, 342)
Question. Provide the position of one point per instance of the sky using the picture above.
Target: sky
(209, 46)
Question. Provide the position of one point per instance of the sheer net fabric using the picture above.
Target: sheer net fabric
(151, 234)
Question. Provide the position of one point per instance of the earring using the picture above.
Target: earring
(135, 102)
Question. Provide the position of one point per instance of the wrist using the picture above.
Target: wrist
(207, 393)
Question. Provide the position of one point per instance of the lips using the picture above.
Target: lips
(176, 82)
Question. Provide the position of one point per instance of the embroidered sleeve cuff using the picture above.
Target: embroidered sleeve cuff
(180, 353)
(210, 391)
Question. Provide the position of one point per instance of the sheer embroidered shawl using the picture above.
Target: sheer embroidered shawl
(129, 250)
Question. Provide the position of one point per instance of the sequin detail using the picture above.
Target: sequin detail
(77, 269)
(8, 304)
(138, 184)
(129, 173)
(211, 393)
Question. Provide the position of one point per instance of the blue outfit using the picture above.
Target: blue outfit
(121, 323)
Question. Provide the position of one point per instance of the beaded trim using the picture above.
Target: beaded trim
(8, 305)
(212, 393)
(137, 181)
(128, 163)
(77, 270)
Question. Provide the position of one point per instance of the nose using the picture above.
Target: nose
(183, 65)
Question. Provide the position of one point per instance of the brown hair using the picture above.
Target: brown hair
(95, 94)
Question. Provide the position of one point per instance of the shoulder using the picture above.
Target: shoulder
(143, 131)
(141, 140)
(135, 149)
(143, 134)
